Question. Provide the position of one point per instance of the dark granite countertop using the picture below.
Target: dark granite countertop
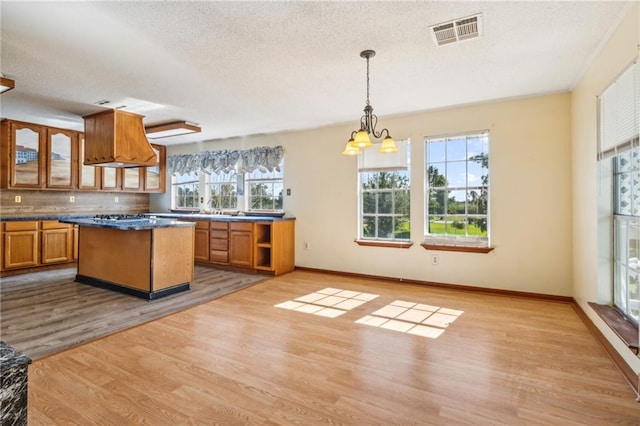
(194, 216)
(129, 225)
(10, 357)
(46, 217)
(221, 217)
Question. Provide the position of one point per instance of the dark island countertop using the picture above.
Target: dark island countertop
(221, 217)
(128, 225)
(163, 216)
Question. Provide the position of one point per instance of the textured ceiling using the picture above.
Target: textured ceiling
(240, 68)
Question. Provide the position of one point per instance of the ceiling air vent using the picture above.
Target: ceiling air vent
(457, 30)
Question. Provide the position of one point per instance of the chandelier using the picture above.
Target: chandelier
(360, 138)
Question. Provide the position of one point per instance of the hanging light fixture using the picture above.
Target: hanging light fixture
(360, 139)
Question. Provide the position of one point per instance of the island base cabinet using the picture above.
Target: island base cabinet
(148, 263)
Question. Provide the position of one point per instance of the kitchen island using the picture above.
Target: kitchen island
(145, 257)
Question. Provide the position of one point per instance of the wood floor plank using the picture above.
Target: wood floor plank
(46, 312)
(241, 360)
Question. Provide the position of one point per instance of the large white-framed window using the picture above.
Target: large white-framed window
(619, 134)
(265, 190)
(457, 189)
(221, 190)
(384, 186)
(185, 190)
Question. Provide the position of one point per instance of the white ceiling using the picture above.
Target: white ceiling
(240, 68)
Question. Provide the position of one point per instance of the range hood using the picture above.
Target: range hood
(116, 138)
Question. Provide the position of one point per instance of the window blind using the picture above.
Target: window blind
(371, 159)
(620, 113)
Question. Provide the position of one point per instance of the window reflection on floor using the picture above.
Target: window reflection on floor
(403, 316)
(329, 302)
(413, 318)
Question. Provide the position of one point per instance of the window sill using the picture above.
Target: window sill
(624, 329)
(466, 249)
(391, 244)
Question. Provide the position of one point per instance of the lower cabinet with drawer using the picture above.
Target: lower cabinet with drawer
(260, 246)
(32, 244)
(219, 242)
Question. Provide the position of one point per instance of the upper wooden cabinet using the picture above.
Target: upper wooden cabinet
(40, 157)
(155, 176)
(62, 158)
(23, 159)
(89, 177)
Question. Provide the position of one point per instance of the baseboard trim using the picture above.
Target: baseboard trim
(500, 292)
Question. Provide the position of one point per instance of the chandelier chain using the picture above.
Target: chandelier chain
(368, 80)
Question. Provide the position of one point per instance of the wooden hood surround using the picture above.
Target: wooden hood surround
(116, 138)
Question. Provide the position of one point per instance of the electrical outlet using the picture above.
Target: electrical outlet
(305, 245)
(288, 191)
(72, 199)
(435, 260)
(18, 199)
(115, 200)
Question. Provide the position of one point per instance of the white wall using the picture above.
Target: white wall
(530, 176)
(590, 221)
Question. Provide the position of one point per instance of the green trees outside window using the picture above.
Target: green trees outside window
(457, 179)
(385, 204)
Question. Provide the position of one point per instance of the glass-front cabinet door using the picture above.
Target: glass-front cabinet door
(111, 179)
(88, 176)
(61, 156)
(27, 146)
(132, 179)
(155, 175)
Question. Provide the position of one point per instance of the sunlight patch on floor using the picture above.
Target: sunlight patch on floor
(412, 318)
(328, 302)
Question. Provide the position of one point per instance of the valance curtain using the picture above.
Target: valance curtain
(246, 161)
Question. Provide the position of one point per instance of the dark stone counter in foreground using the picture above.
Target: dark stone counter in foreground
(14, 369)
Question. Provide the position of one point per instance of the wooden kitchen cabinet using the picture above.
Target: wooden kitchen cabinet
(155, 176)
(201, 241)
(57, 242)
(62, 158)
(261, 246)
(132, 179)
(219, 242)
(274, 246)
(21, 248)
(34, 244)
(22, 158)
(33, 156)
(111, 179)
(89, 177)
(241, 244)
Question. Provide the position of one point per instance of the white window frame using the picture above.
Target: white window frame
(454, 238)
(619, 134)
(274, 182)
(192, 180)
(216, 194)
(371, 163)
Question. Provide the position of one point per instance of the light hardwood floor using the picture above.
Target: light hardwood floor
(241, 360)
